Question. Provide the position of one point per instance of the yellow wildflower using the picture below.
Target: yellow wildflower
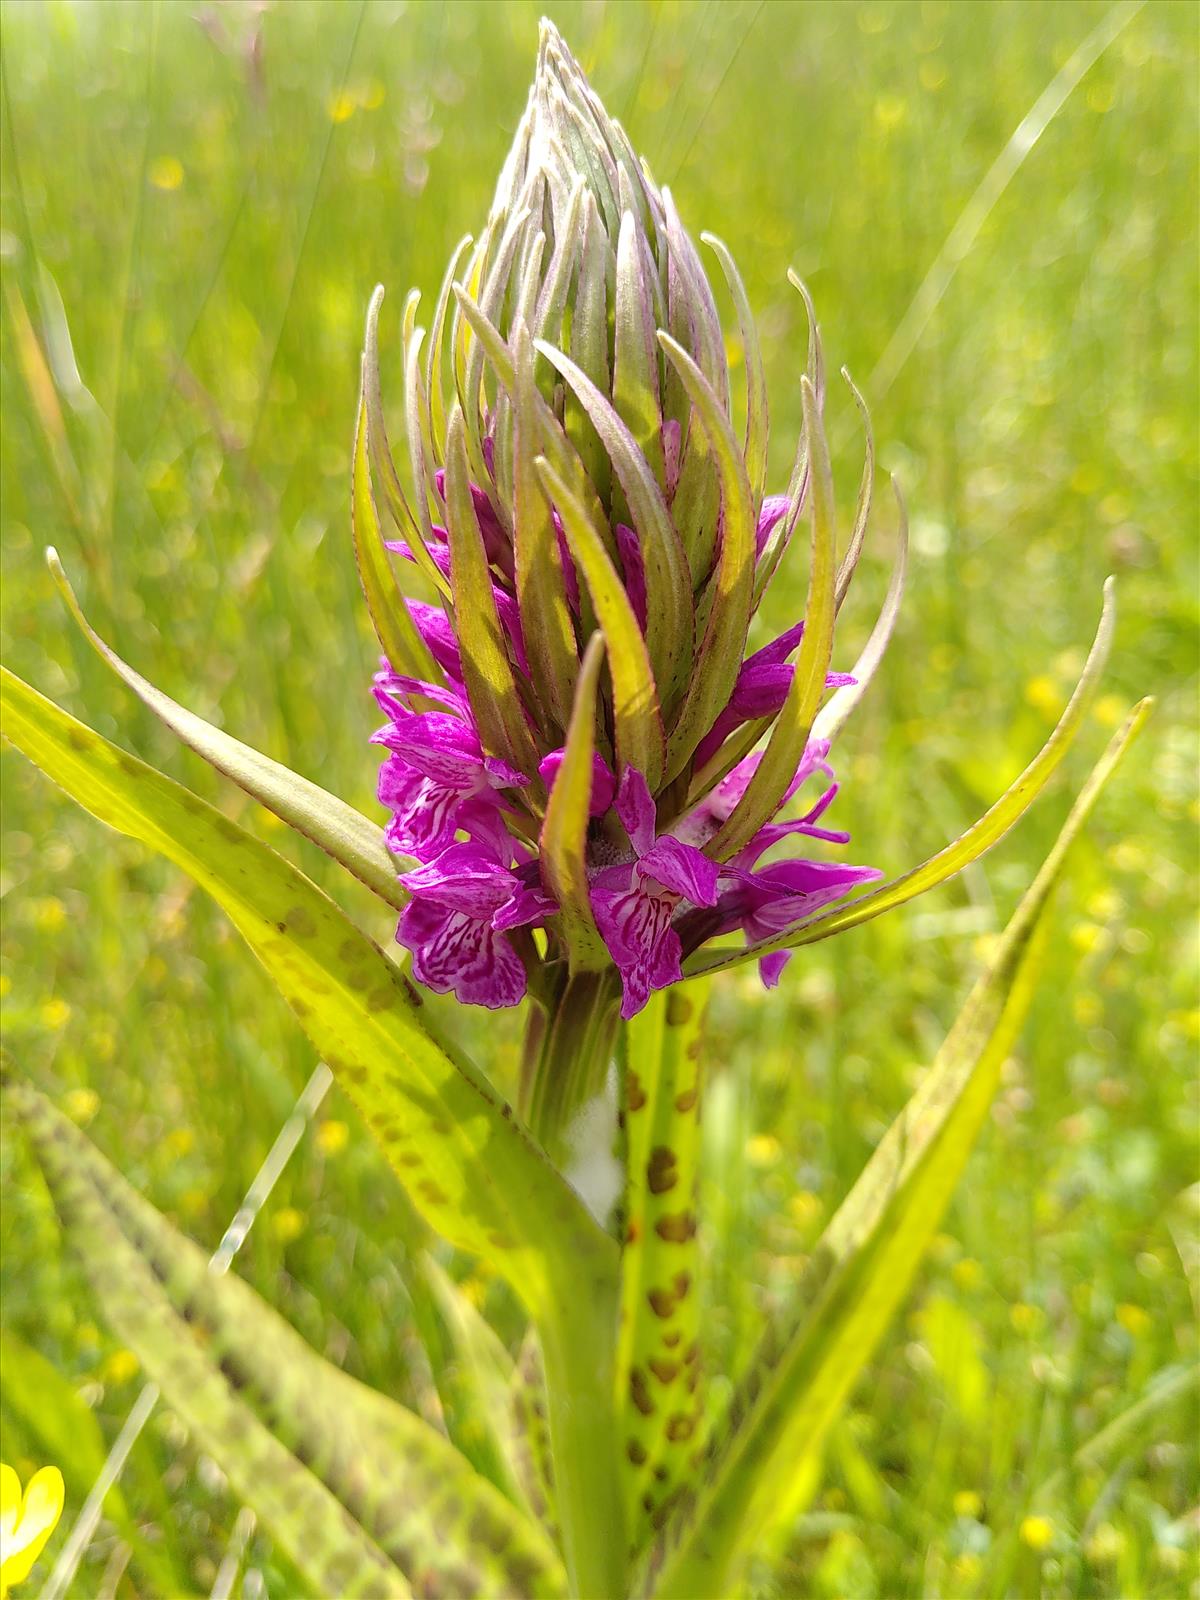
(1037, 1532)
(26, 1521)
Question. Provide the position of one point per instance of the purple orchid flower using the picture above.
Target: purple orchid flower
(634, 902)
(463, 904)
(761, 689)
(436, 779)
(604, 784)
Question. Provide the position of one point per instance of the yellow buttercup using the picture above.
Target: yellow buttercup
(26, 1521)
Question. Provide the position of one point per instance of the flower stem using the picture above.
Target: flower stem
(573, 1054)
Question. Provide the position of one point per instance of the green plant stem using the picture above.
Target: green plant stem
(579, 1349)
(573, 1055)
(570, 1056)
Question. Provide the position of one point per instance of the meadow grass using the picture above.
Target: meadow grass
(197, 203)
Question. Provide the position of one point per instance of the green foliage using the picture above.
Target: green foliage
(354, 1487)
(184, 278)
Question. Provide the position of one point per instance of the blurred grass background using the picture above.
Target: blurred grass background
(197, 201)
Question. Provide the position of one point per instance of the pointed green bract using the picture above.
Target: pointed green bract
(565, 830)
(470, 1169)
(487, 670)
(862, 511)
(756, 378)
(668, 584)
(658, 1357)
(862, 1267)
(373, 433)
(836, 711)
(639, 732)
(635, 362)
(351, 839)
(402, 644)
(789, 737)
(541, 587)
(404, 1484)
(719, 656)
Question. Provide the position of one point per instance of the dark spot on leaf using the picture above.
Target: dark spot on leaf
(647, 1502)
(639, 1393)
(661, 1473)
(662, 1302)
(682, 1284)
(499, 1241)
(635, 1095)
(676, 1229)
(636, 1453)
(381, 999)
(680, 1427)
(664, 1371)
(687, 1100)
(660, 1170)
(431, 1192)
(679, 1009)
(672, 1339)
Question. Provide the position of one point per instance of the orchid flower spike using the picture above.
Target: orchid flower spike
(584, 761)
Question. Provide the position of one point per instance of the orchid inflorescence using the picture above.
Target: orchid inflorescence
(585, 493)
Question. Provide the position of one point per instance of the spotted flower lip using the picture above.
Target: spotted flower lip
(583, 483)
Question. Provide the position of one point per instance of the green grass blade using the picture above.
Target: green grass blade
(639, 731)
(404, 1484)
(329, 1546)
(564, 832)
(863, 1265)
(789, 736)
(351, 839)
(719, 657)
(969, 846)
(469, 1168)
(658, 1356)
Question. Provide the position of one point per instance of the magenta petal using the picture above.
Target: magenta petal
(458, 953)
(433, 625)
(629, 548)
(604, 784)
(682, 868)
(636, 809)
(773, 508)
(466, 877)
(636, 927)
(771, 966)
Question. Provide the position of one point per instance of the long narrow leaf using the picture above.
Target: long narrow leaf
(470, 1169)
(340, 830)
(864, 1264)
(403, 1483)
(329, 1546)
(968, 847)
